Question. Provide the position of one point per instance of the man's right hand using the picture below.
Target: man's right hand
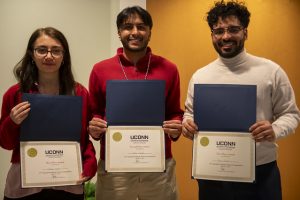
(189, 128)
(97, 127)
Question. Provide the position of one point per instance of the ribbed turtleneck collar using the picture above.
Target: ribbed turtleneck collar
(234, 62)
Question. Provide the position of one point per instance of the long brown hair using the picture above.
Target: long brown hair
(26, 71)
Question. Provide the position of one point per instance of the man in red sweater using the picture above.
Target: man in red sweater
(135, 61)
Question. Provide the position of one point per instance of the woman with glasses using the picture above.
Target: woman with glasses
(44, 69)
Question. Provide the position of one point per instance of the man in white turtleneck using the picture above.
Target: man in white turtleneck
(277, 113)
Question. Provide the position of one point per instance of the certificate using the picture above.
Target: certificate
(135, 149)
(54, 163)
(225, 156)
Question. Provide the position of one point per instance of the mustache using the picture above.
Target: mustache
(225, 42)
(135, 38)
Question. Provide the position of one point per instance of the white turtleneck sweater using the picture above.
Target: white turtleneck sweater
(275, 96)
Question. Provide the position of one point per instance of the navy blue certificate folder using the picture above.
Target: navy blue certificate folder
(52, 118)
(135, 102)
(224, 107)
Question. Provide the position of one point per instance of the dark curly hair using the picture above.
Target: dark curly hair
(26, 71)
(231, 8)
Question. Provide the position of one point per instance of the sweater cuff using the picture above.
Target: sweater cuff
(277, 130)
(11, 123)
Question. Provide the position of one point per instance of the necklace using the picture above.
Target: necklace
(43, 90)
(148, 67)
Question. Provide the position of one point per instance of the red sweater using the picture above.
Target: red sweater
(160, 69)
(10, 132)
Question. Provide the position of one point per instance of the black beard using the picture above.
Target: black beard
(237, 50)
(134, 50)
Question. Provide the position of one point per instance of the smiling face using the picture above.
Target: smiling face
(134, 34)
(228, 36)
(51, 61)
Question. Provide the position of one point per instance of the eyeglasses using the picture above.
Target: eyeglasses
(232, 30)
(43, 52)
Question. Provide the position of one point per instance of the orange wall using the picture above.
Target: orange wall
(181, 34)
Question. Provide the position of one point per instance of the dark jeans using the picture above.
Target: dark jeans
(266, 187)
(49, 194)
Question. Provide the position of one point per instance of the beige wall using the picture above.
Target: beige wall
(88, 26)
(181, 34)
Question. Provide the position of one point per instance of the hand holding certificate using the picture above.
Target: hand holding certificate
(50, 149)
(223, 149)
(135, 138)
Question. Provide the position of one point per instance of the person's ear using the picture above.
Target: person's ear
(149, 35)
(246, 33)
(119, 34)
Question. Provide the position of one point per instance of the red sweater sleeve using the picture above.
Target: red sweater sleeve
(173, 103)
(173, 110)
(9, 131)
(97, 97)
(89, 161)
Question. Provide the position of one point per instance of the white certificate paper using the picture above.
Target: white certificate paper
(135, 149)
(225, 156)
(51, 163)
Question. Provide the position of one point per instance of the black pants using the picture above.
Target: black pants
(49, 194)
(267, 186)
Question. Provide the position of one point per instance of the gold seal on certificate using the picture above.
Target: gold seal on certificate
(51, 163)
(117, 136)
(225, 156)
(204, 141)
(135, 149)
(32, 152)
